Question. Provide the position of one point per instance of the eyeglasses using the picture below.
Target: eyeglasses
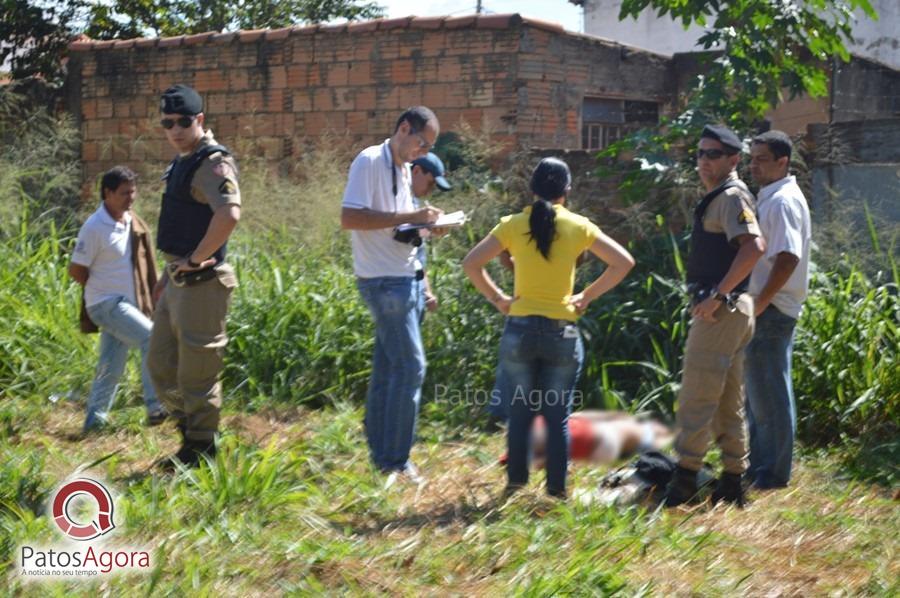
(423, 143)
(184, 122)
(712, 154)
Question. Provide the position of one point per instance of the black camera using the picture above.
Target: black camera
(409, 236)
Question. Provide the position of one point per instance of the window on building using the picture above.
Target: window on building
(605, 121)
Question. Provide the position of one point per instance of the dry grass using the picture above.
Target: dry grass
(455, 534)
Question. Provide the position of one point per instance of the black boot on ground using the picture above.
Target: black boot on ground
(729, 489)
(682, 488)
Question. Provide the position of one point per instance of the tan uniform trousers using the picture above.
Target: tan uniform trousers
(711, 401)
(186, 350)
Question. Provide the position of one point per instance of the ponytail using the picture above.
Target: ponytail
(542, 225)
(550, 181)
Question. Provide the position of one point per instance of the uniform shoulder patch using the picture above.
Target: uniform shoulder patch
(222, 169)
(227, 187)
(746, 217)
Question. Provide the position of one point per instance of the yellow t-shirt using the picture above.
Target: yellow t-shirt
(543, 286)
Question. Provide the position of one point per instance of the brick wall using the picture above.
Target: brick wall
(520, 79)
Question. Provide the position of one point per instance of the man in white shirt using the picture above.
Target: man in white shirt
(779, 283)
(378, 197)
(104, 263)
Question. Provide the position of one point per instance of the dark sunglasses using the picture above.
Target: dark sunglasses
(184, 122)
(712, 154)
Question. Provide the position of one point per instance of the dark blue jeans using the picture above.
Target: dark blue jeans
(771, 413)
(398, 368)
(540, 360)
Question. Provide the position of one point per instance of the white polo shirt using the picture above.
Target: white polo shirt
(370, 185)
(785, 223)
(104, 248)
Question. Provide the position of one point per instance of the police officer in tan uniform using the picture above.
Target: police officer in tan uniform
(725, 244)
(200, 208)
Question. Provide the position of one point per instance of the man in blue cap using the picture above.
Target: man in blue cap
(427, 173)
(726, 243)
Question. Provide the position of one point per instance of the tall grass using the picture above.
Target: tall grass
(301, 335)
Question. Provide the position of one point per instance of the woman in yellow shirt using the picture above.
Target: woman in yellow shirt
(541, 350)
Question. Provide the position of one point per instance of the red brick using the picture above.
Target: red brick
(238, 80)
(297, 75)
(277, 77)
(317, 75)
(90, 151)
(357, 122)
(360, 73)
(410, 95)
(323, 100)
(253, 101)
(365, 99)
(363, 48)
(337, 74)
(302, 101)
(104, 108)
(403, 71)
(210, 81)
(274, 100)
(343, 98)
(89, 109)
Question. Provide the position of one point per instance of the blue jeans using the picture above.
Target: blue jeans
(122, 325)
(540, 361)
(498, 405)
(771, 413)
(398, 368)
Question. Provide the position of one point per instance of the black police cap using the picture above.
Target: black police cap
(723, 135)
(181, 99)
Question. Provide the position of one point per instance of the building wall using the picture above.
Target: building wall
(522, 80)
(873, 39)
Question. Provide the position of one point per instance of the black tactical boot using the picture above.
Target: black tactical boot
(682, 488)
(729, 489)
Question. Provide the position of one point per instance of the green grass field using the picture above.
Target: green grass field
(292, 506)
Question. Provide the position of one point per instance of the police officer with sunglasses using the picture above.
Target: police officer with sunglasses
(201, 206)
(725, 245)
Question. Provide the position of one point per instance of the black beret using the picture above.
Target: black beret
(723, 135)
(181, 99)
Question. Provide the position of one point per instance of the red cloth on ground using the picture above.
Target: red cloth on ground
(581, 438)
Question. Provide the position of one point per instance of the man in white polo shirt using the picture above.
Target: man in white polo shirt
(114, 262)
(378, 197)
(779, 283)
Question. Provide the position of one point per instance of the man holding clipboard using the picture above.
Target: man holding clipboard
(378, 199)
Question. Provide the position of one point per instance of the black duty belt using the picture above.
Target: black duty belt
(700, 292)
(189, 279)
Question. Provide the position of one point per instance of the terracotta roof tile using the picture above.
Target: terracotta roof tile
(501, 21)
(170, 42)
(427, 22)
(388, 24)
(250, 35)
(198, 38)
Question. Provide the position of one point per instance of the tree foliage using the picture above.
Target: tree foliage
(33, 36)
(34, 33)
(124, 19)
(757, 49)
(765, 45)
